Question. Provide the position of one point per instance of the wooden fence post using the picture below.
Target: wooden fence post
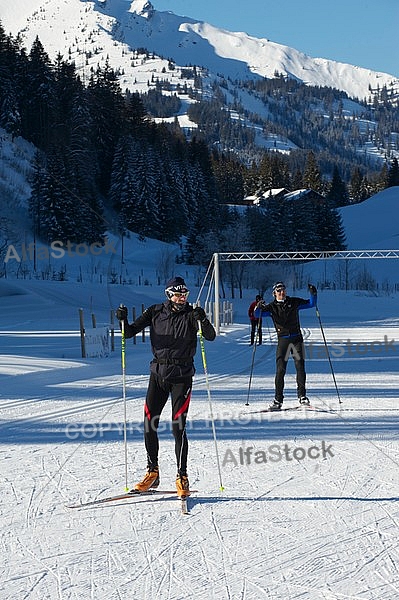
(143, 332)
(134, 318)
(82, 333)
(111, 320)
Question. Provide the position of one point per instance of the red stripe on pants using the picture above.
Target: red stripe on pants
(184, 408)
(147, 411)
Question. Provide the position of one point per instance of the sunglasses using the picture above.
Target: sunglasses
(280, 290)
(181, 294)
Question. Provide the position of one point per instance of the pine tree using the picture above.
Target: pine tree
(72, 132)
(393, 173)
(38, 99)
(328, 226)
(312, 179)
(128, 171)
(260, 230)
(178, 212)
(10, 118)
(265, 175)
(106, 106)
(235, 235)
(382, 181)
(122, 162)
(206, 218)
(206, 193)
(297, 181)
(337, 194)
(55, 206)
(229, 179)
(299, 217)
(136, 119)
(37, 192)
(357, 187)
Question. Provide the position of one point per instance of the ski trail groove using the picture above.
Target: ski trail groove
(223, 550)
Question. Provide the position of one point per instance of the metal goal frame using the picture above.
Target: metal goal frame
(287, 256)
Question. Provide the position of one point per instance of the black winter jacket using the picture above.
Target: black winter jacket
(173, 337)
(285, 314)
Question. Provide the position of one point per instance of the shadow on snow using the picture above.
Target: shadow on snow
(243, 428)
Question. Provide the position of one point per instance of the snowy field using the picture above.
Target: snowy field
(314, 515)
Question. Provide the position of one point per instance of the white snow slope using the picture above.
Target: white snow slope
(368, 225)
(314, 515)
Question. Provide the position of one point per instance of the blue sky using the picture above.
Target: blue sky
(360, 32)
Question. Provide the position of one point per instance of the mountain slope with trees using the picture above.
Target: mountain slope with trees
(102, 163)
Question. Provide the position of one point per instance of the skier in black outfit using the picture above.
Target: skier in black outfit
(173, 333)
(256, 324)
(284, 313)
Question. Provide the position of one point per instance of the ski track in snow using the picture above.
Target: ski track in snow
(325, 529)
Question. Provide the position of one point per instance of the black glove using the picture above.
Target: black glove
(261, 305)
(199, 314)
(312, 289)
(121, 313)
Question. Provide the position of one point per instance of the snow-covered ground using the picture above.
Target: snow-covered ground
(314, 515)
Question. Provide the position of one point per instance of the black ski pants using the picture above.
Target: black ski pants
(157, 395)
(286, 347)
(256, 326)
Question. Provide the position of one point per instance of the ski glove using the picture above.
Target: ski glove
(312, 289)
(121, 313)
(199, 314)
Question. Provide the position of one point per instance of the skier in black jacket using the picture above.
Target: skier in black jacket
(173, 333)
(284, 313)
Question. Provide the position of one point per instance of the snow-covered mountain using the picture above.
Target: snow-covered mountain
(91, 32)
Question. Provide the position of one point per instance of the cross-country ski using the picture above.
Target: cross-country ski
(299, 408)
(127, 496)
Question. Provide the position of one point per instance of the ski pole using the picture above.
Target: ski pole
(328, 353)
(252, 364)
(202, 345)
(123, 358)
